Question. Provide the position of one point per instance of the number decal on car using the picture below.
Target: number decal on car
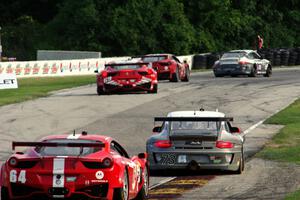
(15, 177)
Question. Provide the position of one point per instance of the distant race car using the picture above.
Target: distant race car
(196, 140)
(168, 67)
(76, 166)
(126, 76)
(242, 62)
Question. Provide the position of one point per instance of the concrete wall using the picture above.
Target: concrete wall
(66, 55)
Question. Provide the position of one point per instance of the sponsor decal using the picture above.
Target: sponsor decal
(36, 69)
(54, 69)
(8, 81)
(27, 69)
(99, 175)
(9, 69)
(18, 69)
(46, 68)
(1, 69)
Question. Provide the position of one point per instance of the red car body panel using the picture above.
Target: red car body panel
(72, 176)
(166, 66)
(118, 77)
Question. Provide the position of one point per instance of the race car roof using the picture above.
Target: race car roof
(158, 54)
(242, 50)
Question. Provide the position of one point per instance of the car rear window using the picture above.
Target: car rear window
(68, 151)
(154, 58)
(233, 55)
(195, 127)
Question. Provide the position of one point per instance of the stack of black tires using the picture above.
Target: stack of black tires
(282, 56)
(205, 61)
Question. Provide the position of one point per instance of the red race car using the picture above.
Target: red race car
(77, 166)
(126, 76)
(168, 67)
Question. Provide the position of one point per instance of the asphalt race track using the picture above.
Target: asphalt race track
(129, 117)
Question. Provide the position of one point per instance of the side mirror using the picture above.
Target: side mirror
(142, 155)
(96, 71)
(235, 130)
(156, 129)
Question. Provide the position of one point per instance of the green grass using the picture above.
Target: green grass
(285, 146)
(293, 196)
(32, 88)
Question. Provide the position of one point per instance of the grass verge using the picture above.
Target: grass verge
(285, 146)
(32, 88)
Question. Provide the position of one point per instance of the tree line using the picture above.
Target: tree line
(135, 27)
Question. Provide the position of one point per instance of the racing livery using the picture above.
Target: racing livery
(168, 67)
(242, 62)
(196, 140)
(126, 76)
(76, 166)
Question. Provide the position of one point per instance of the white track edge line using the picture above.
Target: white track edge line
(162, 182)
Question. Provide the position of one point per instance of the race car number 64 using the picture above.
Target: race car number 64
(14, 177)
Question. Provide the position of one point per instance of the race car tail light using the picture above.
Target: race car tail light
(243, 62)
(107, 162)
(104, 74)
(163, 143)
(13, 162)
(224, 145)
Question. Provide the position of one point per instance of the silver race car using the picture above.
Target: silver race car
(242, 62)
(196, 140)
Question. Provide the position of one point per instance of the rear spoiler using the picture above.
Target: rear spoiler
(120, 64)
(55, 144)
(192, 119)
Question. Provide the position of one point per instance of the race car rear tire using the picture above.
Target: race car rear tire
(175, 76)
(99, 90)
(4, 193)
(241, 165)
(253, 71)
(268, 72)
(122, 193)
(187, 75)
(154, 90)
(217, 75)
(143, 193)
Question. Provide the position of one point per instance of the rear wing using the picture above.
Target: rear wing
(120, 64)
(55, 144)
(192, 119)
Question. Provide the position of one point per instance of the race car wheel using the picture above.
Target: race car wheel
(143, 193)
(241, 165)
(4, 193)
(175, 76)
(100, 90)
(253, 71)
(154, 90)
(187, 75)
(268, 72)
(122, 193)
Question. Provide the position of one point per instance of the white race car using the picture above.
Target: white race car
(242, 62)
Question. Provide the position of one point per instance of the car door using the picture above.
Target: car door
(181, 67)
(133, 168)
(261, 63)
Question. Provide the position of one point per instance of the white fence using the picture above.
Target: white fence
(63, 67)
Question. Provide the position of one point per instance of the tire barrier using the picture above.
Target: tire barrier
(282, 56)
(199, 61)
